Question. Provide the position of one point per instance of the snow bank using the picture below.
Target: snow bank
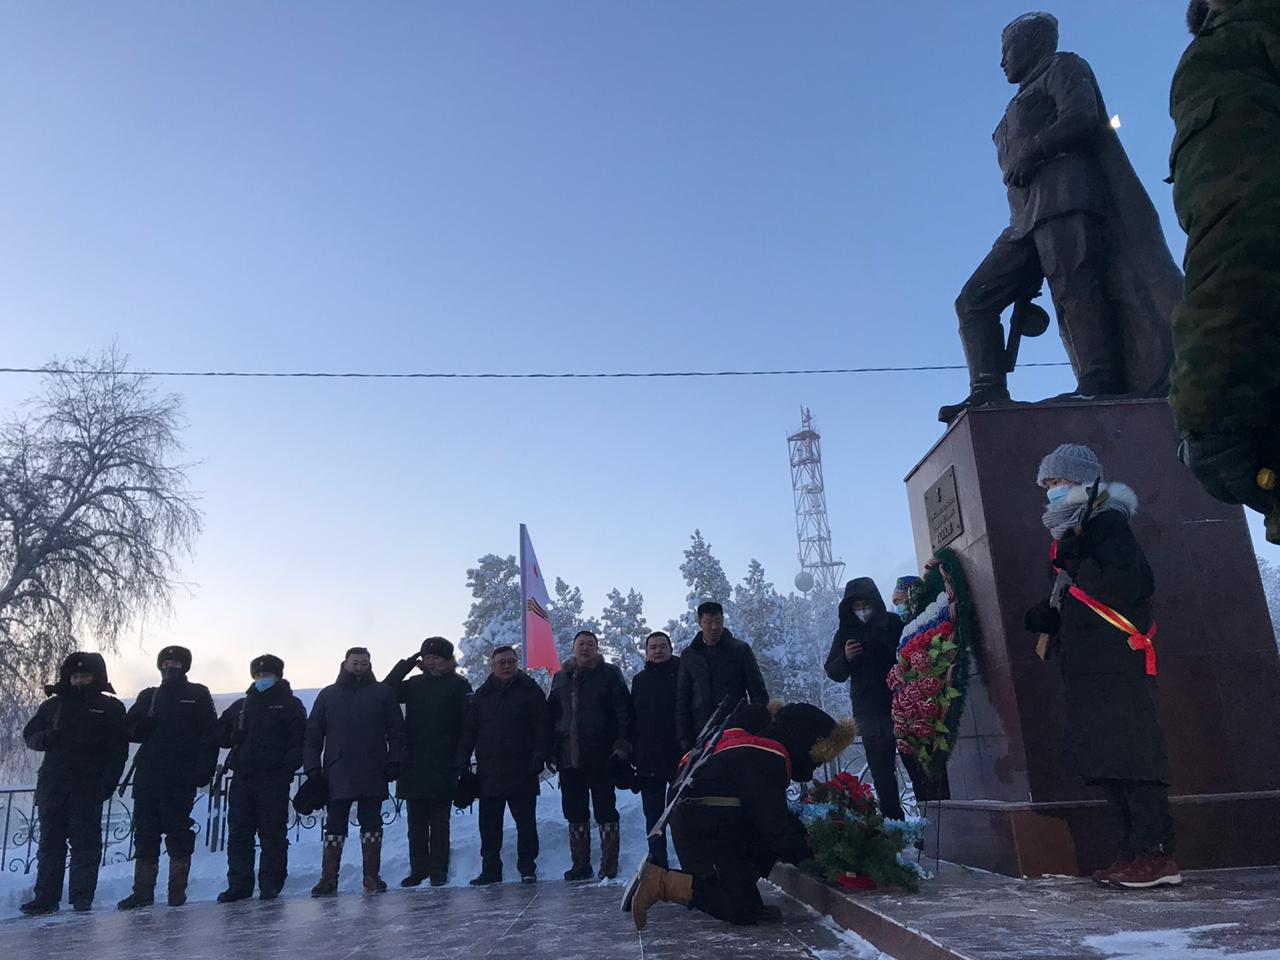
(208, 870)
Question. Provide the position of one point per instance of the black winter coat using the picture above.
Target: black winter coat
(590, 715)
(85, 744)
(757, 773)
(435, 708)
(1112, 709)
(264, 732)
(355, 730)
(175, 723)
(508, 728)
(709, 674)
(868, 672)
(653, 709)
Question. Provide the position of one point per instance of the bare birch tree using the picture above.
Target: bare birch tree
(95, 513)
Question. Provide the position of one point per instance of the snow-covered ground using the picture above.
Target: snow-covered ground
(208, 870)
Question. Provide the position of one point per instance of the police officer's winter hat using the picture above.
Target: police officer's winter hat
(811, 736)
(438, 647)
(181, 654)
(267, 663)
(81, 662)
(1071, 461)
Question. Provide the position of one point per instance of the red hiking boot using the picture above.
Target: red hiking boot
(1103, 877)
(1146, 871)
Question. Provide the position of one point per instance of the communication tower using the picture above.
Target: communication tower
(813, 532)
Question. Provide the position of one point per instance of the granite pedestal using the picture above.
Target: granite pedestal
(1016, 807)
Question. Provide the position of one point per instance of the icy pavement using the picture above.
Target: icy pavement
(551, 920)
(1214, 915)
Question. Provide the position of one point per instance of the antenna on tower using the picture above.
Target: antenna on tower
(813, 532)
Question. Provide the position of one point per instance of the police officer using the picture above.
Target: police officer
(174, 723)
(80, 729)
(264, 730)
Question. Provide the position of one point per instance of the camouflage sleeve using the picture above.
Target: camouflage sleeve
(1225, 168)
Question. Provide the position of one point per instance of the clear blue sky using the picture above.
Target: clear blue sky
(482, 186)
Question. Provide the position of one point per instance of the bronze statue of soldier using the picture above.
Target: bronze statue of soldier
(1078, 218)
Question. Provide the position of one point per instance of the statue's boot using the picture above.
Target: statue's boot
(988, 370)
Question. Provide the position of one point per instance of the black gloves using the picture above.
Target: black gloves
(1226, 464)
(1073, 548)
(391, 772)
(1042, 618)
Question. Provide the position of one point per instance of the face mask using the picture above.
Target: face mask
(863, 615)
(900, 609)
(171, 674)
(1059, 494)
(264, 684)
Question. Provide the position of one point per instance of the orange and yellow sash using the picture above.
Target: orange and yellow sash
(1138, 640)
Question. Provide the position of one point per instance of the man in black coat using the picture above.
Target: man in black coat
(81, 732)
(733, 824)
(1101, 622)
(590, 720)
(863, 652)
(714, 666)
(507, 727)
(174, 723)
(657, 749)
(355, 739)
(264, 731)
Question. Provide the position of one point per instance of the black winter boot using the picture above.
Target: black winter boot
(34, 908)
(144, 885)
(984, 351)
(580, 851)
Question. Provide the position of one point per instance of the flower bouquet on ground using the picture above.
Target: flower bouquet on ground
(929, 679)
(854, 846)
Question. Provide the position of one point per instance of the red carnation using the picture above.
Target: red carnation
(929, 686)
(921, 662)
(922, 729)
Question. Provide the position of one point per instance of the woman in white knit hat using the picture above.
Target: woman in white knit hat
(1100, 627)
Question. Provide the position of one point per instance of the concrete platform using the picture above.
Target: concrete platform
(547, 921)
(967, 914)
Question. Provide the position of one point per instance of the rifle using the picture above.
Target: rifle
(151, 712)
(1062, 582)
(701, 752)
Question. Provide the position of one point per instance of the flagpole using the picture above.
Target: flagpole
(524, 604)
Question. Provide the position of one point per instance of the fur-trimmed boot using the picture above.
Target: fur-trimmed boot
(144, 885)
(659, 886)
(371, 849)
(179, 873)
(610, 840)
(580, 851)
(331, 860)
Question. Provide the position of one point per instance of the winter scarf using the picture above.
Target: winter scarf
(1061, 517)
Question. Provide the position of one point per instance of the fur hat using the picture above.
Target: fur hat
(82, 662)
(1071, 461)
(437, 646)
(181, 654)
(811, 736)
(267, 663)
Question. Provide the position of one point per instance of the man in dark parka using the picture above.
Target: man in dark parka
(507, 727)
(175, 725)
(714, 666)
(863, 652)
(80, 730)
(1225, 168)
(1113, 728)
(264, 731)
(355, 738)
(657, 749)
(590, 720)
(733, 824)
(435, 707)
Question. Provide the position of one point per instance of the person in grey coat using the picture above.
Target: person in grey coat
(355, 739)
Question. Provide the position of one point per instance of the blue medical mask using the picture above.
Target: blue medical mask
(900, 609)
(1058, 494)
(263, 684)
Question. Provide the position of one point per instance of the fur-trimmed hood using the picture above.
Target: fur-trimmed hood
(1119, 496)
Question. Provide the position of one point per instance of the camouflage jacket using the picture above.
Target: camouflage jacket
(1225, 171)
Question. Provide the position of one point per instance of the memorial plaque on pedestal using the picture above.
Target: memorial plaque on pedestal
(942, 507)
(1017, 805)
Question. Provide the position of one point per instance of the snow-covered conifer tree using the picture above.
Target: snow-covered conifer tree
(494, 619)
(705, 578)
(567, 619)
(623, 630)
